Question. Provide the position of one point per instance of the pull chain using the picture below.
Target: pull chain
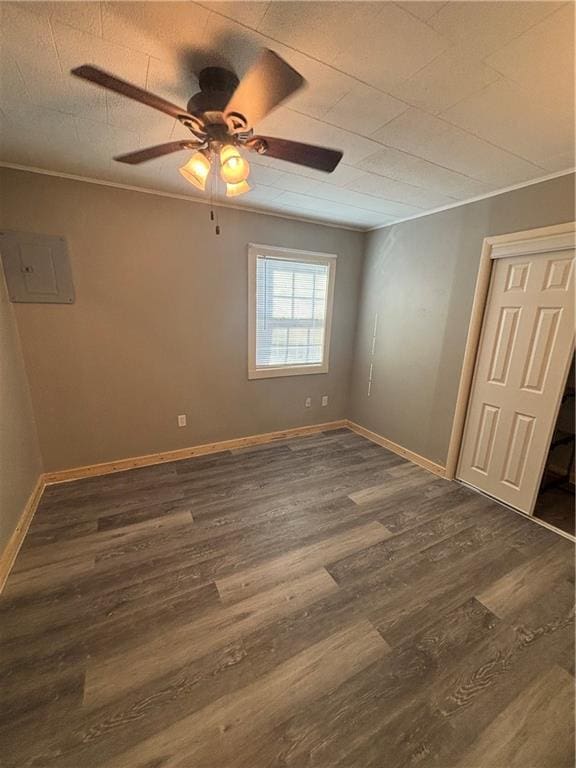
(213, 212)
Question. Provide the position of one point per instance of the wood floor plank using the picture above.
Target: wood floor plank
(42, 535)
(316, 603)
(470, 695)
(99, 541)
(251, 581)
(400, 595)
(410, 477)
(214, 735)
(342, 729)
(97, 735)
(107, 677)
(118, 518)
(98, 632)
(439, 722)
(332, 483)
(534, 730)
(440, 524)
(43, 577)
(213, 548)
(517, 587)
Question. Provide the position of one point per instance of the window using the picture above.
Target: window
(290, 306)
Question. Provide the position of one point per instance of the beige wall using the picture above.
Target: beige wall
(419, 276)
(159, 326)
(20, 462)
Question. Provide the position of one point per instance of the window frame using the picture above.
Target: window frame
(288, 254)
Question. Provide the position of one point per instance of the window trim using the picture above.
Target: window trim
(287, 254)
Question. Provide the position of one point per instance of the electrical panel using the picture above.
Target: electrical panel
(37, 268)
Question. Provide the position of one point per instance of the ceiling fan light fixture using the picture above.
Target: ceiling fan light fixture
(196, 170)
(233, 190)
(233, 167)
(221, 119)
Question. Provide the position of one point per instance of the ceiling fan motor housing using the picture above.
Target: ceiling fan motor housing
(217, 85)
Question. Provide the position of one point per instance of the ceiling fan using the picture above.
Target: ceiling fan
(221, 120)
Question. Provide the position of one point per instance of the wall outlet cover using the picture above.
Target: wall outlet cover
(182, 420)
(324, 400)
(308, 402)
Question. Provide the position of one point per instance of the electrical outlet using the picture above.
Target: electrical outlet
(324, 400)
(182, 420)
(308, 402)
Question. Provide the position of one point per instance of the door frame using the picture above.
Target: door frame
(559, 237)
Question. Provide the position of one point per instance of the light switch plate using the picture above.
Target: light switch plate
(37, 268)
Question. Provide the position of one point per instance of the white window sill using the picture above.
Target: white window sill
(286, 370)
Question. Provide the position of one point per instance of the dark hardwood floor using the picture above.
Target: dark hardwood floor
(316, 603)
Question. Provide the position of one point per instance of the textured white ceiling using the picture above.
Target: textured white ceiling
(431, 102)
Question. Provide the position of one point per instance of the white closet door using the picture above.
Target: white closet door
(525, 349)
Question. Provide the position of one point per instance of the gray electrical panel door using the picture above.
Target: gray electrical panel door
(37, 268)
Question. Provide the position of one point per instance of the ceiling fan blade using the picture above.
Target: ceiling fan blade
(320, 158)
(143, 155)
(266, 84)
(124, 88)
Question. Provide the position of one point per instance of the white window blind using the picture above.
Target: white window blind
(292, 303)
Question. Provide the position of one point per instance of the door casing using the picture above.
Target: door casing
(555, 238)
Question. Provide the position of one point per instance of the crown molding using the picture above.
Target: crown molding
(477, 199)
(176, 196)
(265, 212)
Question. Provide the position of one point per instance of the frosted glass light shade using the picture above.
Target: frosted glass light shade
(196, 170)
(233, 167)
(233, 190)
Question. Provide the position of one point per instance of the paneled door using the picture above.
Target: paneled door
(525, 349)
